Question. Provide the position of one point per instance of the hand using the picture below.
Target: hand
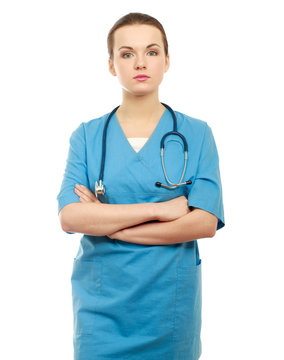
(85, 195)
(172, 209)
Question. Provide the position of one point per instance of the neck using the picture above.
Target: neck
(140, 109)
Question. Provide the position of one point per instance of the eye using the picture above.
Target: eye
(126, 55)
(153, 53)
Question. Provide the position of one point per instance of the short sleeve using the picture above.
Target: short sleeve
(75, 170)
(206, 190)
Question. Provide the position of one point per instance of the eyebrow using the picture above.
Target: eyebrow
(130, 48)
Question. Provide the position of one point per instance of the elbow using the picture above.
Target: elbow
(73, 219)
(64, 225)
(211, 232)
(212, 226)
(65, 228)
(209, 225)
(63, 218)
(208, 222)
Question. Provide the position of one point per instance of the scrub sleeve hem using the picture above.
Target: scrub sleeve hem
(62, 201)
(200, 205)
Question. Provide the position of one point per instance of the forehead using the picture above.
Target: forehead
(137, 36)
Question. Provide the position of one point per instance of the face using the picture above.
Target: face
(138, 49)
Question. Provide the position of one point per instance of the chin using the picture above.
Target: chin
(139, 92)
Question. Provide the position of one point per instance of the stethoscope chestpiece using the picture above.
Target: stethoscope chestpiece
(99, 188)
(159, 184)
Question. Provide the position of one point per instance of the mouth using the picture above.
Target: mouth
(141, 77)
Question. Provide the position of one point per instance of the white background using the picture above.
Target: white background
(227, 69)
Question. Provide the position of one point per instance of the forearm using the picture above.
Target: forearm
(194, 225)
(104, 219)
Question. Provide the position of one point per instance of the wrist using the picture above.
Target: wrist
(155, 211)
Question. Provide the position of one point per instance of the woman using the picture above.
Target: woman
(136, 280)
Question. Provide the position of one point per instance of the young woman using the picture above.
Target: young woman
(136, 280)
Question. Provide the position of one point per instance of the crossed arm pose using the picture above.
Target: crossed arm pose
(161, 223)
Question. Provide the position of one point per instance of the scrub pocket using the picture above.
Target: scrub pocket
(187, 324)
(86, 289)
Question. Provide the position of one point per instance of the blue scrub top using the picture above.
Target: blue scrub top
(133, 301)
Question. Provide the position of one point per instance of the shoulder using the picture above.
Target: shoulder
(91, 127)
(187, 120)
(95, 123)
(194, 126)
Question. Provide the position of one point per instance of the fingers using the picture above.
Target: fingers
(83, 189)
(85, 195)
(82, 197)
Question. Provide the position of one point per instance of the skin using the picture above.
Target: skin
(85, 196)
(193, 225)
(140, 105)
(138, 115)
(125, 65)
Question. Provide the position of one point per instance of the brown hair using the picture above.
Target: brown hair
(131, 19)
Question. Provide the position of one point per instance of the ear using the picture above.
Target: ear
(111, 67)
(167, 65)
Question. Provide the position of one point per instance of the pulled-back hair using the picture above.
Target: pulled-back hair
(132, 19)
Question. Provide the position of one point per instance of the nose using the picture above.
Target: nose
(140, 63)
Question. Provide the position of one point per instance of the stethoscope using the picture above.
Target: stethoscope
(100, 188)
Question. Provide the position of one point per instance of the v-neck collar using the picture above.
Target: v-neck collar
(151, 137)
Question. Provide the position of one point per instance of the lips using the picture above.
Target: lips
(141, 77)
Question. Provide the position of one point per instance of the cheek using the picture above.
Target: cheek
(159, 70)
(122, 70)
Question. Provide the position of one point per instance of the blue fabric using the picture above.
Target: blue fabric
(206, 191)
(133, 301)
(75, 170)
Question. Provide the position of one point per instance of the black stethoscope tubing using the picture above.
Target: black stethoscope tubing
(162, 145)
